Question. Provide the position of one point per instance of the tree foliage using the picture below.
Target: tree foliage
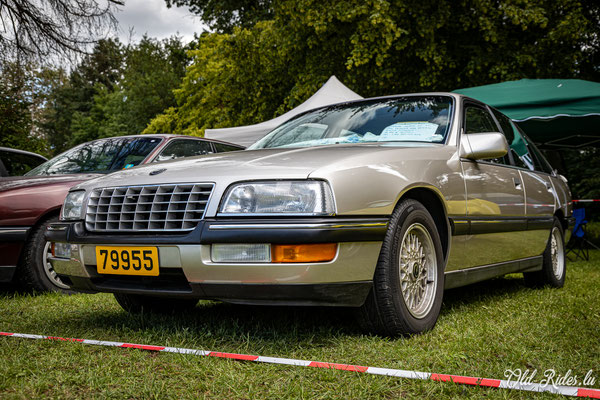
(73, 102)
(582, 168)
(224, 15)
(153, 69)
(229, 79)
(42, 28)
(23, 94)
(15, 121)
(377, 47)
(115, 90)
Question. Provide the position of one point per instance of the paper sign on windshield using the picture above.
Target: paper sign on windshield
(410, 131)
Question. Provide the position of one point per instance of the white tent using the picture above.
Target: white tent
(333, 91)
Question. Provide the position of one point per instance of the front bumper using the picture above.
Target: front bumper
(186, 269)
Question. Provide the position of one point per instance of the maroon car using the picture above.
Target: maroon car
(29, 203)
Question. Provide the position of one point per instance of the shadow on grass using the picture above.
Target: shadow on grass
(267, 324)
(222, 322)
(12, 289)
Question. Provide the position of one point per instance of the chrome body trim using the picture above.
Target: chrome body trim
(13, 234)
(298, 226)
(468, 276)
(57, 228)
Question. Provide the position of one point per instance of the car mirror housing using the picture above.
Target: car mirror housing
(481, 146)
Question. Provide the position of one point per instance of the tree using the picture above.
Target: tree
(16, 99)
(582, 168)
(226, 82)
(115, 90)
(74, 99)
(44, 28)
(153, 69)
(224, 15)
(379, 47)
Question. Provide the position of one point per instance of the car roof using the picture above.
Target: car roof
(455, 96)
(8, 149)
(393, 96)
(169, 136)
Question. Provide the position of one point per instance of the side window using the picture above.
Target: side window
(479, 120)
(504, 122)
(184, 148)
(17, 164)
(220, 147)
(522, 153)
(3, 171)
(541, 160)
(525, 154)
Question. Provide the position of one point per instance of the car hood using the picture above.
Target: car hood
(22, 182)
(297, 163)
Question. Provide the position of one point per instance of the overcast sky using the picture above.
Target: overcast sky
(154, 18)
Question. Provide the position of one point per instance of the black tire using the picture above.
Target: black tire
(549, 275)
(138, 303)
(386, 311)
(34, 271)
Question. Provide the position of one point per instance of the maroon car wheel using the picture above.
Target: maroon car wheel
(34, 270)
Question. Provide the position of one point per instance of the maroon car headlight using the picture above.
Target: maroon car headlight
(73, 206)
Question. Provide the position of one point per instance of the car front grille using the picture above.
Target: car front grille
(149, 208)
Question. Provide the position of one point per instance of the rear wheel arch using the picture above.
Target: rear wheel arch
(561, 217)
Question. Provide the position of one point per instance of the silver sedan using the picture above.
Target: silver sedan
(378, 204)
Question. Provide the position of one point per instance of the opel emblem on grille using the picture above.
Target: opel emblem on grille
(158, 171)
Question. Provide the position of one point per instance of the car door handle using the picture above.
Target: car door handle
(517, 183)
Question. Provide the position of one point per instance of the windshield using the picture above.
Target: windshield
(100, 156)
(404, 119)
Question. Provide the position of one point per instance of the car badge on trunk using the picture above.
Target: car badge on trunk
(158, 171)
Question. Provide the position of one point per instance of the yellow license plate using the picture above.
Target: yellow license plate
(127, 260)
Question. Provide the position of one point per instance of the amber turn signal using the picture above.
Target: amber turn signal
(303, 253)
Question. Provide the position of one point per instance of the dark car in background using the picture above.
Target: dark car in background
(28, 204)
(15, 162)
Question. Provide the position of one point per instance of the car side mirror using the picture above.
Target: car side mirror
(481, 146)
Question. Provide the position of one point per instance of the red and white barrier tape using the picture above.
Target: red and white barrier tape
(399, 373)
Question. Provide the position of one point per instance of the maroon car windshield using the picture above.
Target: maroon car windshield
(99, 156)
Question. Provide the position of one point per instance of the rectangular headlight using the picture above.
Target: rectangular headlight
(279, 197)
(73, 206)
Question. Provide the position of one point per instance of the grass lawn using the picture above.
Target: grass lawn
(483, 330)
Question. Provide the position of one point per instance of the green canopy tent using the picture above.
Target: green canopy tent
(554, 113)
